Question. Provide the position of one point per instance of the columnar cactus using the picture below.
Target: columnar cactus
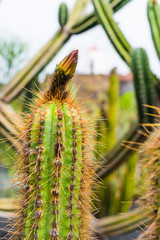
(104, 13)
(55, 171)
(151, 181)
(144, 85)
(153, 12)
(63, 14)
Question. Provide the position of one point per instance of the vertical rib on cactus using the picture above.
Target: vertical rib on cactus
(55, 171)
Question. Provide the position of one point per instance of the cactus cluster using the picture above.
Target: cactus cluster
(55, 169)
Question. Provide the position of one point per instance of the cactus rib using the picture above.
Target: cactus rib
(55, 172)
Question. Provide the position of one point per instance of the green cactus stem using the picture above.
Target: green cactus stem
(55, 171)
(112, 116)
(144, 85)
(91, 20)
(153, 12)
(104, 14)
(150, 173)
(63, 14)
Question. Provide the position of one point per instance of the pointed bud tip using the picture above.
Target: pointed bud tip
(69, 63)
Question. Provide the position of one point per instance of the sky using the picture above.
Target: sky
(36, 21)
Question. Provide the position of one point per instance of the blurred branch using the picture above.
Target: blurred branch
(46, 54)
(91, 20)
(121, 223)
(118, 154)
(9, 125)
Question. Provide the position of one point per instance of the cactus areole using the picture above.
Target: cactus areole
(55, 169)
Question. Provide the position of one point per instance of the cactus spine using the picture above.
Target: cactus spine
(153, 12)
(105, 16)
(151, 175)
(144, 85)
(55, 171)
(63, 14)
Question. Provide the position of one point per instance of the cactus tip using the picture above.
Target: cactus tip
(69, 63)
(63, 75)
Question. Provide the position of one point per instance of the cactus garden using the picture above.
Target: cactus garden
(79, 152)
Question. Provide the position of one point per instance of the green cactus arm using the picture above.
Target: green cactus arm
(85, 24)
(138, 68)
(144, 85)
(153, 13)
(106, 21)
(118, 4)
(63, 14)
(91, 20)
(117, 155)
(127, 190)
(109, 13)
(108, 192)
(113, 97)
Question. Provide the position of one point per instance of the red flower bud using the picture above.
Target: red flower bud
(69, 63)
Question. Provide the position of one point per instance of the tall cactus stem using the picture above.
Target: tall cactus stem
(55, 170)
(150, 172)
(144, 85)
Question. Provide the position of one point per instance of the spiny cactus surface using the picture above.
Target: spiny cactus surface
(150, 173)
(55, 171)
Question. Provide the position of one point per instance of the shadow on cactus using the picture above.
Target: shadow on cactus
(55, 170)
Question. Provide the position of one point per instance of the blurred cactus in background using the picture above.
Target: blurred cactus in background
(124, 123)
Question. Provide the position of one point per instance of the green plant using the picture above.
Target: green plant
(144, 85)
(150, 170)
(104, 14)
(63, 14)
(12, 52)
(55, 171)
(153, 12)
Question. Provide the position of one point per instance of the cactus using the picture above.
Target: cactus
(144, 85)
(153, 12)
(63, 14)
(104, 14)
(150, 170)
(118, 4)
(55, 172)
